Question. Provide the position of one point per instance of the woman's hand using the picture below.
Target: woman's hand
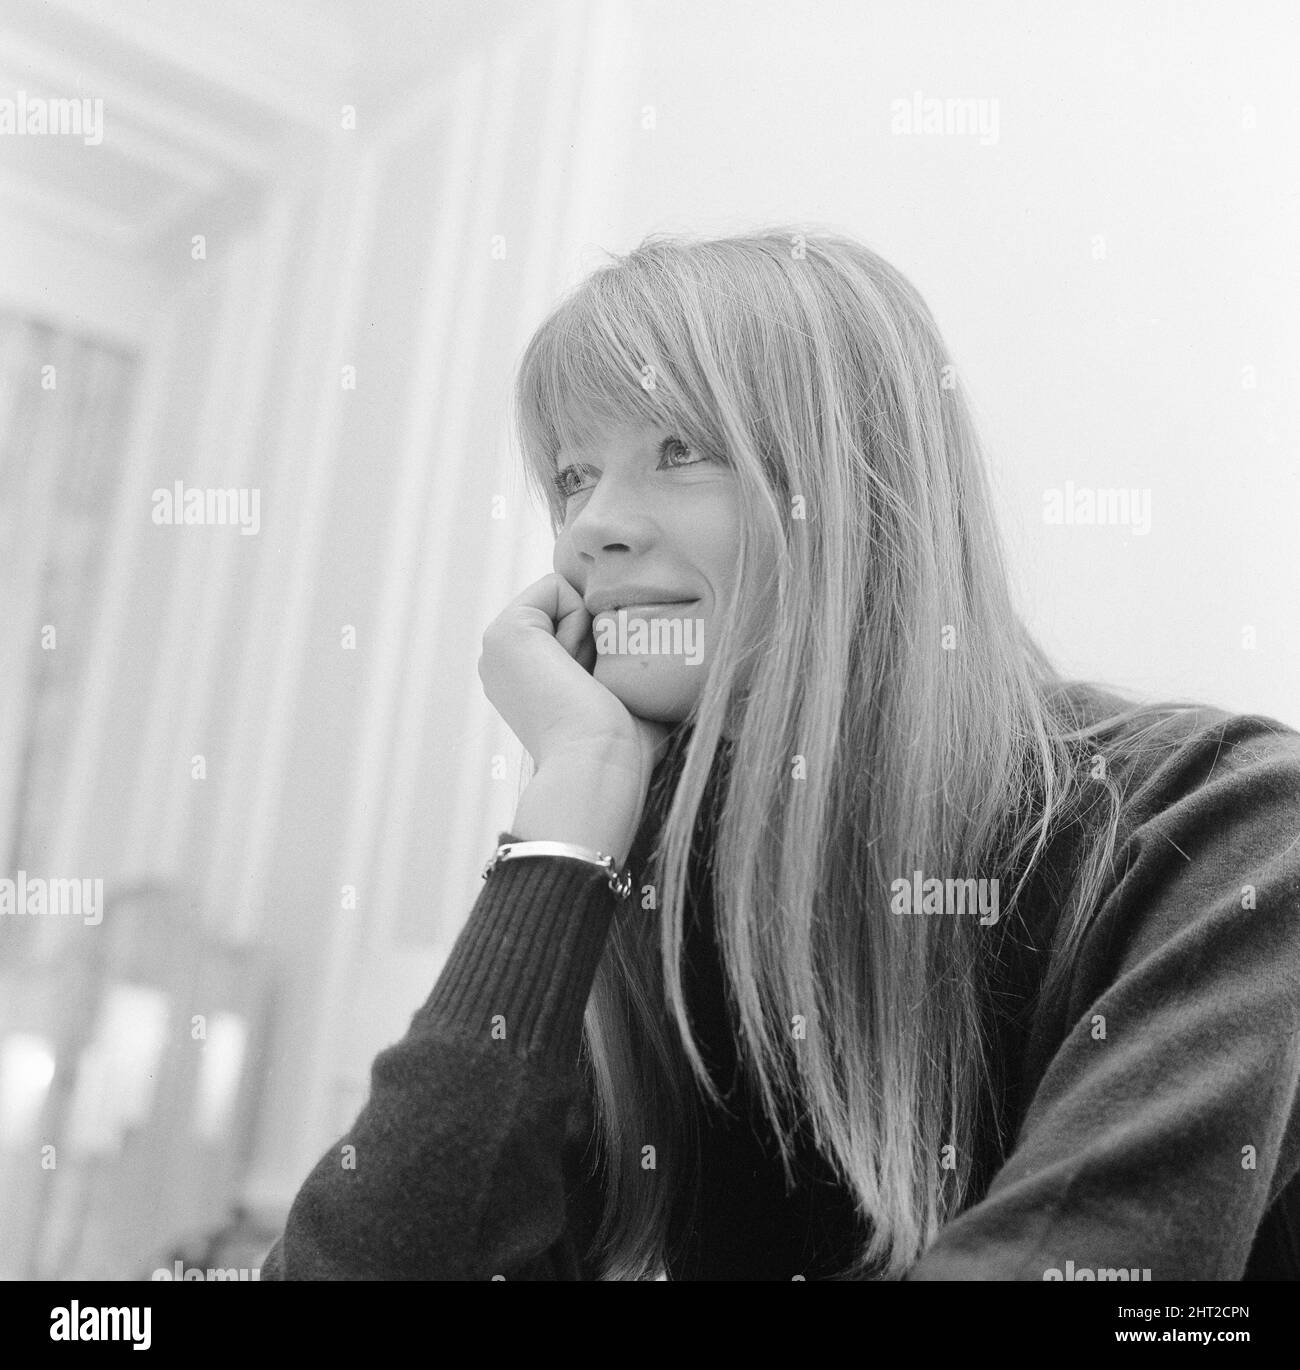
(594, 758)
(536, 665)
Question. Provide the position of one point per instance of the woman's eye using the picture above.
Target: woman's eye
(566, 481)
(674, 455)
(670, 448)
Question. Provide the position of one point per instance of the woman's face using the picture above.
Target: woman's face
(650, 540)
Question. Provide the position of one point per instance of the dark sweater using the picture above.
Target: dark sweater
(1173, 1145)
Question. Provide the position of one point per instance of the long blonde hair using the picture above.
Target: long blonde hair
(898, 718)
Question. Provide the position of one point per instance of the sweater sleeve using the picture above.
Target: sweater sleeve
(1163, 1119)
(465, 1161)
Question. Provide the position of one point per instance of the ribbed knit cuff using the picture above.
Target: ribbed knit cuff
(525, 962)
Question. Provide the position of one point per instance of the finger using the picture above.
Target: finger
(554, 606)
(573, 623)
(538, 605)
(585, 652)
(574, 630)
(541, 594)
(566, 593)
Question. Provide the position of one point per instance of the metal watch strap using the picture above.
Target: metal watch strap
(620, 884)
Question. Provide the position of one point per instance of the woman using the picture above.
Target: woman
(933, 965)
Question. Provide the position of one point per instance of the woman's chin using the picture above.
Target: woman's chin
(654, 688)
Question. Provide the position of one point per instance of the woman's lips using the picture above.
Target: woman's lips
(663, 610)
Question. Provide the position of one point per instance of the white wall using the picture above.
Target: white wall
(1171, 132)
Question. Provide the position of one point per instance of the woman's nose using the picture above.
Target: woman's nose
(614, 514)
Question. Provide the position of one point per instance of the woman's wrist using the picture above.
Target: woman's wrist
(591, 796)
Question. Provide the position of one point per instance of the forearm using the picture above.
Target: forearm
(454, 1168)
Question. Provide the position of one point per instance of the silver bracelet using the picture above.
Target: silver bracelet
(508, 851)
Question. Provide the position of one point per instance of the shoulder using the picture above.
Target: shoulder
(1201, 877)
(1217, 788)
(1189, 758)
